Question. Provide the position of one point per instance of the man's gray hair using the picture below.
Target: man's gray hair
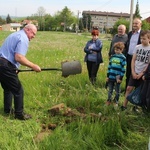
(30, 26)
(122, 25)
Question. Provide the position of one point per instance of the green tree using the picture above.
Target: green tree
(61, 20)
(8, 19)
(137, 11)
(41, 13)
(48, 22)
(32, 17)
(145, 25)
(2, 21)
(67, 18)
(56, 21)
(86, 20)
(80, 24)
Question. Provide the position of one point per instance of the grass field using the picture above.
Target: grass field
(112, 130)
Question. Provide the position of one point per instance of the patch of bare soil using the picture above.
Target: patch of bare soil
(70, 116)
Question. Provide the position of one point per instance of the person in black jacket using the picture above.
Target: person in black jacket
(133, 40)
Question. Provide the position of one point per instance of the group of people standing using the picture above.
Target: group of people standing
(129, 55)
(132, 50)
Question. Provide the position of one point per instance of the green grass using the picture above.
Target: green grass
(115, 130)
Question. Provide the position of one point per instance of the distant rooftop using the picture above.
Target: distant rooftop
(15, 24)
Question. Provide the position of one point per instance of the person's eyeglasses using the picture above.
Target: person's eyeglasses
(33, 32)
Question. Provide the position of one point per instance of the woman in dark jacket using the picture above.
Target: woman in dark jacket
(93, 56)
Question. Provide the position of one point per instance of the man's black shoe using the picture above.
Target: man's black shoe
(23, 116)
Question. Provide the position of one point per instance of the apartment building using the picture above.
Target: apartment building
(104, 20)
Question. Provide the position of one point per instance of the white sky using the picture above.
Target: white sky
(25, 8)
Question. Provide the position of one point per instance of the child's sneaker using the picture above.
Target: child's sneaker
(108, 103)
(123, 108)
(135, 109)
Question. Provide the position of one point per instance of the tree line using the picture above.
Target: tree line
(65, 20)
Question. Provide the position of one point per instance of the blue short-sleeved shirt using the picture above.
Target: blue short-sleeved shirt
(16, 42)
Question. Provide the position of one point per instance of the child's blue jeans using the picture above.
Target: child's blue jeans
(111, 86)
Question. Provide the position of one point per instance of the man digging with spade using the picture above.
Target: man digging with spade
(12, 55)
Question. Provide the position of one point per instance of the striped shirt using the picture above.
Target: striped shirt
(117, 66)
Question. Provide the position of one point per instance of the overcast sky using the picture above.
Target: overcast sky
(25, 8)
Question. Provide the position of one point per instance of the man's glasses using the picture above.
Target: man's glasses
(33, 32)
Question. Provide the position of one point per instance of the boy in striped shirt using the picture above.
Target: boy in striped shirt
(115, 73)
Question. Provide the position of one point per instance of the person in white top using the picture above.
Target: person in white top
(133, 41)
(139, 64)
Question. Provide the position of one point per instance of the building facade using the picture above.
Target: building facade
(11, 27)
(17, 26)
(105, 20)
